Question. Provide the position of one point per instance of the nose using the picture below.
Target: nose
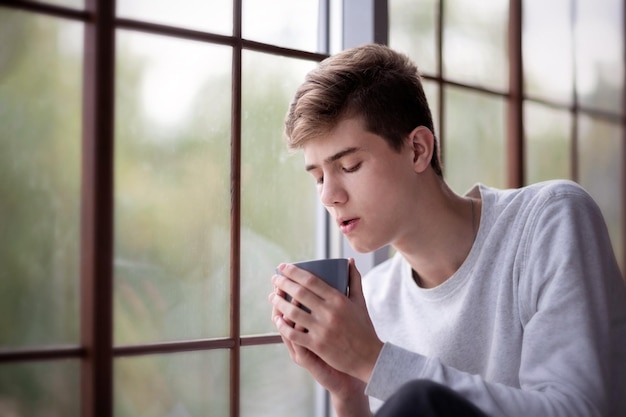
(332, 192)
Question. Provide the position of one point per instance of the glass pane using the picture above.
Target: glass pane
(548, 144)
(278, 196)
(78, 4)
(273, 386)
(412, 30)
(547, 49)
(599, 53)
(288, 23)
(172, 196)
(40, 389)
(212, 16)
(600, 161)
(431, 89)
(40, 171)
(475, 42)
(178, 384)
(474, 146)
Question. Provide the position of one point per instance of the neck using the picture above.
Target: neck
(440, 241)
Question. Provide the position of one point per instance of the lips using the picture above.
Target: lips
(347, 225)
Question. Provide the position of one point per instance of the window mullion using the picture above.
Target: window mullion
(235, 214)
(97, 211)
(515, 116)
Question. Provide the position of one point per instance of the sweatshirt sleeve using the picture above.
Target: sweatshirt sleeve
(567, 261)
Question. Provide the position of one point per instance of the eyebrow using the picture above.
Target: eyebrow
(335, 157)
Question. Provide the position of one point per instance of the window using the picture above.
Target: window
(147, 197)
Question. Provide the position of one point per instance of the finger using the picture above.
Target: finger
(306, 279)
(356, 288)
(290, 311)
(300, 285)
(276, 312)
(288, 333)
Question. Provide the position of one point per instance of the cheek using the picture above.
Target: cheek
(390, 191)
(376, 192)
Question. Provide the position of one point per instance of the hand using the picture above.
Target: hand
(347, 392)
(336, 336)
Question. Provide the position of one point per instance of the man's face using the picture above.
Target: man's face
(367, 187)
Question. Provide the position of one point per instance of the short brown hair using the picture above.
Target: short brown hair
(371, 81)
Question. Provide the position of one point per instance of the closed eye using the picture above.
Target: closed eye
(353, 168)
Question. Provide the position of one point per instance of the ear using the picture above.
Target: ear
(422, 144)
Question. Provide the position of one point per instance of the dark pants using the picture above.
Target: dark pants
(423, 398)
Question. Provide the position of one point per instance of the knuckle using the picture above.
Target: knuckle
(298, 292)
(309, 280)
(332, 321)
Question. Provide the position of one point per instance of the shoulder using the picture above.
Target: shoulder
(563, 199)
(538, 192)
(540, 200)
(558, 189)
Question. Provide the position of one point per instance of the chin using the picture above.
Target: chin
(364, 247)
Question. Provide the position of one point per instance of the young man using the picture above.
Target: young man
(498, 302)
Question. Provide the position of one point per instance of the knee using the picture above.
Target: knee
(422, 388)
(433, 399)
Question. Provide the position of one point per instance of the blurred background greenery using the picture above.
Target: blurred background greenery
(172, 218)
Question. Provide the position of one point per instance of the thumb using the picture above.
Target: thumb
(356, 290)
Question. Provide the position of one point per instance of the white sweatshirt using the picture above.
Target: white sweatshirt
(532, 324)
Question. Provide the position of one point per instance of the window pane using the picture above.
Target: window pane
(273, 386)
(79, 4)
(431, 89)
(293, 24)
(412, 30)
(40, 389)
(178, 384)
(475, 42)
(172, 195)
(474, 146)
(547, 49)
(212, 16)
(548, 144)
(278, 196)
(40, 165)
(599, 53)
(600, 164)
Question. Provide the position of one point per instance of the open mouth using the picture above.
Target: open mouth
(348, 225)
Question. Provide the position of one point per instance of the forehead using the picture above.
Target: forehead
(349, 133)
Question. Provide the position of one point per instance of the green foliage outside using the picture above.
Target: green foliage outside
(172, 225)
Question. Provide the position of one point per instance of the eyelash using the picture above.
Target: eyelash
(349, 170)
(353, 168)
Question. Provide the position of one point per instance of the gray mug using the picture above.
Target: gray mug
(334, 272)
